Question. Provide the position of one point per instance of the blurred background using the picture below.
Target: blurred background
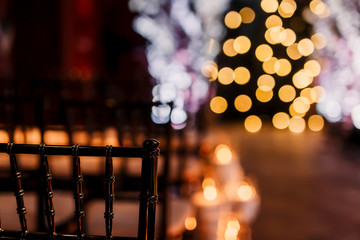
(273, 85)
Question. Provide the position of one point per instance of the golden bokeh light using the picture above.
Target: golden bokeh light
(282, 67)
(293, 113)
(281, 120)
(233, 223)
(313, 67)
(190, 223)
(318, 94)
(301, 104)
(263, 52)
(316, 123)
(218, 104)
(228, 48)
(223, 154)
(266, 82)
(242, 44)
(319, 8)
(297, 125)
(247, 15)
(268, 38)
(252, 124)
(287, 8)
(210, 70)
(302, 79)
(293, 52)
(269, 6)
(232, 20)
(273, 21)
(319, 40)
(210, 193)
(287, 93)
(269, 65)
(243, 103)
(306, 47)
(263, 96)
(289, 37)
(245, 192)
(208, 182)
(4, 136)
(226, 76)
(242, 75)
(306, 92)
(276, 34)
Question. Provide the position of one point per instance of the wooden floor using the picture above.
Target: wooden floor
(309, 187)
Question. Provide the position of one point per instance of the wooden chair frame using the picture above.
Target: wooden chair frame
(148, 198)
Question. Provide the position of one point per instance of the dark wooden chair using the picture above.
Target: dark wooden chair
(149, 153)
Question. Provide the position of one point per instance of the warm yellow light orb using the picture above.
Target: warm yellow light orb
(190, 223)
(302, 79)
(233, 223)
(218, 104)
(293, 52)
(287, 93)
(297, 125)
(247, 15)
(263, 96)
(210, 70)
(289, 38)
(243, 103)
(242, 44)
(223, 154)
(242, 75)
(306, 47)
(319, 8)
(245, 192)
(253, 124)
(293, 113)
(273, 21)
(287, 8)
(266, 82)
(269, 65)
(301, 104)
(269, 6)
(316, 123)
(306, 92)
(226, 76)
(313, 66)
(210, 193)
(282, 67)
(276, 34)
(319, 40)
(281, 120)
(263, 52)
(318, 93)
(232, 19)
(268, 38)
(208, 182)
(228, 48)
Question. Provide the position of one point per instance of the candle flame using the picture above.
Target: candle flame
(223, 154)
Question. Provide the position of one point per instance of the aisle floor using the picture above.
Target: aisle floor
(309, 187)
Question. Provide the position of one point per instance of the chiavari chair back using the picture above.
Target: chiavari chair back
(148, 197)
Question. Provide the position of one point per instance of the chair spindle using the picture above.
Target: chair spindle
(109, 192)
(46, 178)
(148, 194)
(19, 192)
(78, 192)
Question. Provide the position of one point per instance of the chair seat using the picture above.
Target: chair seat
(63, 203)
(126, 213)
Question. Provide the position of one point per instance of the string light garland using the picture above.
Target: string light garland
(288, 72)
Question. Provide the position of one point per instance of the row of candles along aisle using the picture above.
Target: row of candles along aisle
(228, 202)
